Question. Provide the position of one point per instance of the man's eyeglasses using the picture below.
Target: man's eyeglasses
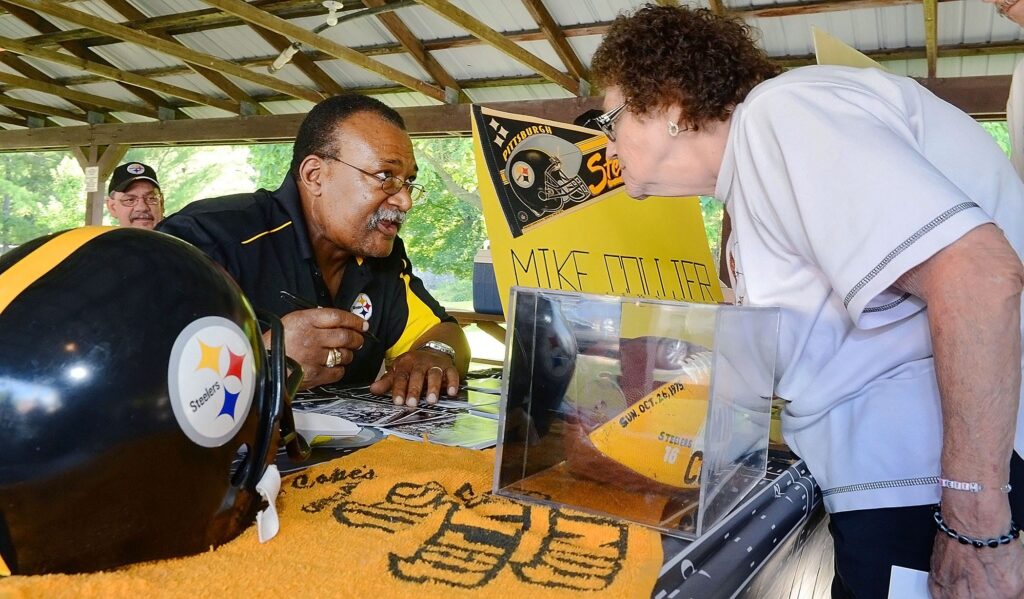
(152, 199)
(606, 121)
(390, 184)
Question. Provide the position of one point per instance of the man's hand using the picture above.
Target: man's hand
(417, 373)
(310, 335)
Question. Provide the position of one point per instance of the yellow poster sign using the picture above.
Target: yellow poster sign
(558, 217)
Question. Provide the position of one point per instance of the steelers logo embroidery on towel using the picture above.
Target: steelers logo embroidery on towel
(362, 307)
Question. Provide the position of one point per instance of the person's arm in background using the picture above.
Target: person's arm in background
(1011, 9)
(973, 291)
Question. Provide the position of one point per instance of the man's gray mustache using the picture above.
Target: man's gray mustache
(396, 216)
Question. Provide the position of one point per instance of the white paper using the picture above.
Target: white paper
(905, 583)
(267, 523)
(92, 178)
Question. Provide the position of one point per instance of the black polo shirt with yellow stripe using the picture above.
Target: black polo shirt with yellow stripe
(260, 239)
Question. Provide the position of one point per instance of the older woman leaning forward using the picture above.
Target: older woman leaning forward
(888, 226)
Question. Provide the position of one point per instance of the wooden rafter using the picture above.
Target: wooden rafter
(18, 64)
(225, 85)
(397, 27)
(10, 120)
(70, 94)
(301, 61)
(530, 35)
(717, 7)
(166, 47)
(668, 2)
(211, 19)
(40, 23)
(931, 35)
(788, 61)
(254, 15)
(113, 74)
(975, 95)
(186, 22)
(556, 38)
(40, 109)
(480, 30)
(818, 6)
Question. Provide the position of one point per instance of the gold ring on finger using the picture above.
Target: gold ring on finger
(333, 357)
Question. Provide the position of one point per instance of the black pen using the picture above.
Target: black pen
(303, 304)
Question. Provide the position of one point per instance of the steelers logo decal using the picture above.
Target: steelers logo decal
(211, 377)
(362, 307)
(522, 174)
(135, 168)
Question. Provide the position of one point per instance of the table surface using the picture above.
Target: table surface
(774, 542)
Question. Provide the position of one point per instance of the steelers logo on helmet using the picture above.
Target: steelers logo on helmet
(211, 380)
(545, 172)
(135, 168)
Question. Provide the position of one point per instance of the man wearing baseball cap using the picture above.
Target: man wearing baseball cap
(133, 196)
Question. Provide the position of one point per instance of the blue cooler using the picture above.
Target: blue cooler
(485, 288)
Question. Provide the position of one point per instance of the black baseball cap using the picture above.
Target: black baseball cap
(130, 172)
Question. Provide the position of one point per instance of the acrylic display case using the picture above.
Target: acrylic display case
(656, 412)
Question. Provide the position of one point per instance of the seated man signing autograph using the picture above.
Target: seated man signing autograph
(329, 237)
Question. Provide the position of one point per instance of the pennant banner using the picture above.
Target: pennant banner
(558, 217)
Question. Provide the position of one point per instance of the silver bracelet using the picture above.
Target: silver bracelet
(969, 487)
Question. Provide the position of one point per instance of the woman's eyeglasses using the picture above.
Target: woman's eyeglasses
(390, 184)
(606, 121)
(129, 201)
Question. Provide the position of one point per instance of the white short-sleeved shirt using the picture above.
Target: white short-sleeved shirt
(838, 181)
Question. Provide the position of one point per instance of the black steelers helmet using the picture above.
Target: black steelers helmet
(132, 377)
(544, 172)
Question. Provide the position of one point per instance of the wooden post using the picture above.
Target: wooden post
(104, 159)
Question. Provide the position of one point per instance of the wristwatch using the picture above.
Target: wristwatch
(437, 346)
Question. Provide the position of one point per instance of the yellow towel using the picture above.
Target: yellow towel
(398, 519)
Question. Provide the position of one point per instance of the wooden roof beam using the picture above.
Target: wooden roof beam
(717, 7)
(187, 22)
(488, 35)
(557, 39)
(931, 35)
(114, 74)
(29, 71)
(397, 27)
(301, 60)
(221, 82)
(818, 6)
(40, 109)
(975, 95)
(70, 94)
(254, 15)
(161, 45)
(38, 22)
(911, 53)
(375, 50)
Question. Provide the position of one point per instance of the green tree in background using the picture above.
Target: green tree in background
(40, 192)
(1000, 132)
(712, 210)
(270, 163)
(187, 172)
(445, 227)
